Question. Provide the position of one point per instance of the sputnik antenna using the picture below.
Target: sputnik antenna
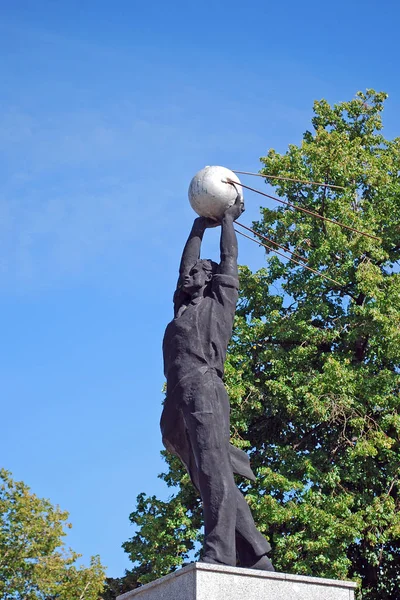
(260, 235)
(306, 181)
(305, 210)
(288, 257)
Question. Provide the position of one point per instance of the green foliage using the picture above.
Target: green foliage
(115, 586)
(313, 369)
(33, 562)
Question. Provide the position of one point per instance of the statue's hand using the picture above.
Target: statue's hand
(206, 222)
(236, 209)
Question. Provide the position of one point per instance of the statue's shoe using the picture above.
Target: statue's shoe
(263, 564)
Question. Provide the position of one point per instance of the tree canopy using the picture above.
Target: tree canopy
(313, 370)
(34, 564)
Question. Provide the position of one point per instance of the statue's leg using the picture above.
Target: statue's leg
(206, 415)
(251, 545)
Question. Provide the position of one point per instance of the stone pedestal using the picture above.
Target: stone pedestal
(201, 581)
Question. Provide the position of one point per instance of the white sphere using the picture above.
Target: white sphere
(210, 194)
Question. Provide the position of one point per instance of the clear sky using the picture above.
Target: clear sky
(107, 111)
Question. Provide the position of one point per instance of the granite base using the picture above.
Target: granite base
(201, 581)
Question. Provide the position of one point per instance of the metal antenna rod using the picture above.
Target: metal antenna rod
(339, 187)
(288, 258)
(305, 210)
(303, 260)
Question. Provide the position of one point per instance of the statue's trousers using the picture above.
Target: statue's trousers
(195, 427)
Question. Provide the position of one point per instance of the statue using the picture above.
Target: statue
(195, 419)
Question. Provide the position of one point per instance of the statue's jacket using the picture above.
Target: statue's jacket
(194, 349)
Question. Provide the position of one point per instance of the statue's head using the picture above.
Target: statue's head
(199, 276)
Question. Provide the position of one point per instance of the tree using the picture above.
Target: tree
(314, 369)
(33, 562)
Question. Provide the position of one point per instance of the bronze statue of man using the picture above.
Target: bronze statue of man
(195, 419)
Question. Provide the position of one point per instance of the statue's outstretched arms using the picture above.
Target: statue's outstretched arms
(229, 246)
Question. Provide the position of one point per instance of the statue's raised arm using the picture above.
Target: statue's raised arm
(190, 256)
(228, 245)
(191, 251)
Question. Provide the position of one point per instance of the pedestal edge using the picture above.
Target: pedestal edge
(198, 566)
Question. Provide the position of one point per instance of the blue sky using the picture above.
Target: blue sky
(107, 111)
